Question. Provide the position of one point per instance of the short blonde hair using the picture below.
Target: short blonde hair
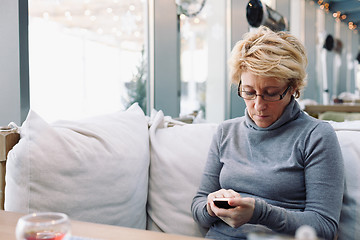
(270, 54)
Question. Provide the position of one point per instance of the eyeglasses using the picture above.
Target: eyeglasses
(249, 95)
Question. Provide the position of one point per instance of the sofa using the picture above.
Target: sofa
(133, 170)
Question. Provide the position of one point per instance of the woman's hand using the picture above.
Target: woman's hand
(234, 217)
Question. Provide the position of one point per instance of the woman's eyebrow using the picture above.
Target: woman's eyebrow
(265, 88)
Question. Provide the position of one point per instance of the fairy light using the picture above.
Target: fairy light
(182, 16)
(324, 5)
(352, 26)
(337, 15)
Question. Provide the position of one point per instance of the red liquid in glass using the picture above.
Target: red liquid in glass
(44, 236)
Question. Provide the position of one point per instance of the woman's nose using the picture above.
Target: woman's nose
(260, 104)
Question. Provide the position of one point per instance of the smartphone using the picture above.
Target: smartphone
(222, 203)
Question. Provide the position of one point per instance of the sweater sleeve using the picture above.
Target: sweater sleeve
(324, 182)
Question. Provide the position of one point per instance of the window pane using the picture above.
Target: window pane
(203, 61)
(85, 56)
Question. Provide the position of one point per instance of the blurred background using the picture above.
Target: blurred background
(70, 59)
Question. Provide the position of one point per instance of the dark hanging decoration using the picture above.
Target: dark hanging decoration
(329, 43)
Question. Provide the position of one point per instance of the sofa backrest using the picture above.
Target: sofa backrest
(185, 150)
(349, 135)
(98, 170)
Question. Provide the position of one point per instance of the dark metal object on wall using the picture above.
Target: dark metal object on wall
(258, 13)
(329, 43)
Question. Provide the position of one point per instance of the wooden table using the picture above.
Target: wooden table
(8, 222)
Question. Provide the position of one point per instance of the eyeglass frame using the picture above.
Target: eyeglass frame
(262, 95)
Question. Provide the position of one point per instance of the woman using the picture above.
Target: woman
(280, 168)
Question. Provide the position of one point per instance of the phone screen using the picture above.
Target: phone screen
(222, 203)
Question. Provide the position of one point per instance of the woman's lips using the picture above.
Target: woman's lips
(261, 116)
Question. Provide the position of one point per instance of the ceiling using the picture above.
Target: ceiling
(347, 11)
(125, 15)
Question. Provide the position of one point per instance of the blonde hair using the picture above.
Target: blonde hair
(270, 54)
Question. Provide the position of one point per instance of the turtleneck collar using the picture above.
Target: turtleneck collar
(291, 112)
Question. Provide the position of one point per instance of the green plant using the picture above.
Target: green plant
(136, 88)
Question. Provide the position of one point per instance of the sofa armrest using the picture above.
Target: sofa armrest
(8, 138)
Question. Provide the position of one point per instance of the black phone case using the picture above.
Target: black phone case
(222, 204)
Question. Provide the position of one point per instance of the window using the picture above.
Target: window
(203, 52)
(86, 57)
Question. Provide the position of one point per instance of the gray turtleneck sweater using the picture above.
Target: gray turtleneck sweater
(293, 168)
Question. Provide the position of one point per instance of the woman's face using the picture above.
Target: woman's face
(264, 113)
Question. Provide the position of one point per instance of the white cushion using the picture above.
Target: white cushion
(94, 169)
(178, 155)
(347, 125)
(350, 213)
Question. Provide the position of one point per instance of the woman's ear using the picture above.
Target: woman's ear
(293, 91)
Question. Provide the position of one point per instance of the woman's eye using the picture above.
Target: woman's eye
(272, 94)
(249, 93)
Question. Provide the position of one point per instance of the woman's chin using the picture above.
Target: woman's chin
(262, 122)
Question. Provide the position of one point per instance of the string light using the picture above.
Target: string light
(94, 19)
(352, 26)
(337, 15)
(182, 16)
(323, 5)
(326, 6)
